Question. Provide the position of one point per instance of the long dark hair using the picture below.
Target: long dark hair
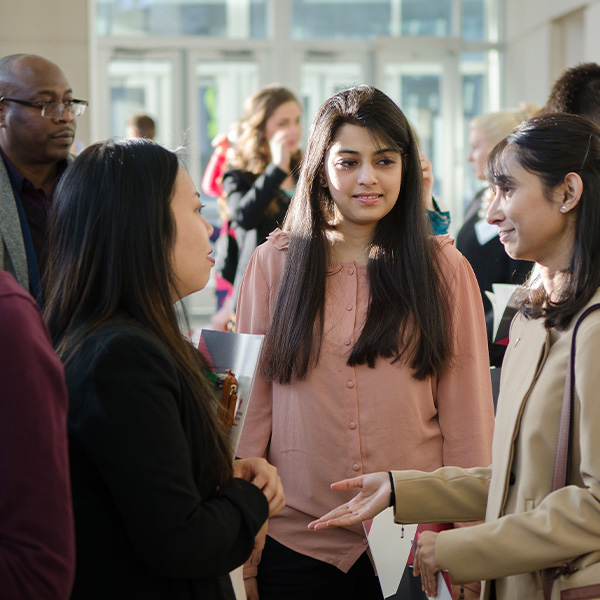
(111, 238)
(408, 314)
(551, 147)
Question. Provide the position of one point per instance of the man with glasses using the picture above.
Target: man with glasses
(37, 129)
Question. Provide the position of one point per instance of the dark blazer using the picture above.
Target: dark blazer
(249, 198)
(490, 262)
(147, 523)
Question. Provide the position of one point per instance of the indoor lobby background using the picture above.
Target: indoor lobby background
(191, 63)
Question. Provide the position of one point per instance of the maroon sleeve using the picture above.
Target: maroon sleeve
(37, 548)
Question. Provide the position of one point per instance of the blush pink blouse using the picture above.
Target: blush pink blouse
(344, 421)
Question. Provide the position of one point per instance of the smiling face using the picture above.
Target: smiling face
(479, 151)
(285, 121)
(26, 136)
(363, 176)
(191, 252)
(533, 224)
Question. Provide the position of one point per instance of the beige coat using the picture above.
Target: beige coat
(526, 527)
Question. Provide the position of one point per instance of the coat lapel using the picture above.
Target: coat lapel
(527, 352)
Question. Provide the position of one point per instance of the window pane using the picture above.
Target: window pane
(319, 81)
(221, 88)
(474, 68)
(213, 18)
(337, 19)
(419, 98)
(360, 19)
(141, 86)
(473, 20)
(426, 17)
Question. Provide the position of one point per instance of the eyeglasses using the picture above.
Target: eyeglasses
(53, 110)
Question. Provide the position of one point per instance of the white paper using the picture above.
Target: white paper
(485, 232)
(500, 297)
(237, 580)
(240, 353)
(390, 549)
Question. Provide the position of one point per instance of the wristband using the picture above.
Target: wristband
(392, 493)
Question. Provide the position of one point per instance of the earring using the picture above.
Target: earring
(563, 208)
(323, 182)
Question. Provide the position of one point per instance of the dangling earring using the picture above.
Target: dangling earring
(323, 182)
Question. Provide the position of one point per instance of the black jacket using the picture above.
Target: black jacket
(144, 526)
(249, 198)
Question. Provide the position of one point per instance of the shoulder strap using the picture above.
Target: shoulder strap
(562, 459)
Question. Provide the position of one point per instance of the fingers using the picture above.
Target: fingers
(277, 499)
(269, 482)
(425, 564)
(348, 484)
(265, 477)
(338, 517)
(429, 583)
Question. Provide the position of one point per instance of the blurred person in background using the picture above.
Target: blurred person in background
(262, 168)
(140, 125)
(37, 129)
(477, 239)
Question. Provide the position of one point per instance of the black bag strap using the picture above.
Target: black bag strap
(562, 459)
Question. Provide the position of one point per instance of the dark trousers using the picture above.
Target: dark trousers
(287, 575)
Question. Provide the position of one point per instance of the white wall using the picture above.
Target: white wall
(56, 30)
(542, 38)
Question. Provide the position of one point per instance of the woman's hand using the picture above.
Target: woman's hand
(373, 498)
(280, 149)
(425, 564)
(264, 476)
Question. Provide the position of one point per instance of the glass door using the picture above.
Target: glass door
(139, 82)
(439, 90)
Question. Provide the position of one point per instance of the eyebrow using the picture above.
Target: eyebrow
(501, 178)
(382, 151)
(53, 93)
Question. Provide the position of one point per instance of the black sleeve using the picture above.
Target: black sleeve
(248, 200)
(131, 427)
(519, 270)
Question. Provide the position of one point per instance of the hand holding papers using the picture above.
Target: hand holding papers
(443, 587)
(238, 353)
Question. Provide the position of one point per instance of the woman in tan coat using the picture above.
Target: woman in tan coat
(546, 179)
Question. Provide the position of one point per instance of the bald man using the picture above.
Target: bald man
(37, 128)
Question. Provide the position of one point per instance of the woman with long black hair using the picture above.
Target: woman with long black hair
(160, 510)
(375, 348)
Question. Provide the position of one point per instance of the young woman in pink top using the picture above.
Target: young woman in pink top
(375, 345)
